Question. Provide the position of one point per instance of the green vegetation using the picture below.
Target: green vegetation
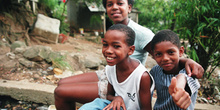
(197, 21)
(61, 63)
(155, 14)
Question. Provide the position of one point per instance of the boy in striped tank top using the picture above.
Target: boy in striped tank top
(175, 89)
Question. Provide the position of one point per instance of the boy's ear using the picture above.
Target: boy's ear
(129, 8)
(131, 50)
(181, 51)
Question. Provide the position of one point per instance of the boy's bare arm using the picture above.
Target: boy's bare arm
(110, 92)
(181, 81)
(117, 101)
(192, 68)
(148, 48)
(180, 97)
(145, 94)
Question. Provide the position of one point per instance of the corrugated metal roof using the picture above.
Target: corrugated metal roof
(93, 7)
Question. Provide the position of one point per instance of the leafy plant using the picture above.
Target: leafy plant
(198, 21)
(155, 14)
(60, 13)
(61, 63)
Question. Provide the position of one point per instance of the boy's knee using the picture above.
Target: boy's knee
(60, 82)
(58, 91)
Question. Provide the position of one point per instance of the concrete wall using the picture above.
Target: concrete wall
(26, 91)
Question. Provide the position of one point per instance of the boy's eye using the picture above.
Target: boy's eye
(170, 52)
(109, 5)
(104, 45)
(120, 4)
(158, 54)
(117, 46)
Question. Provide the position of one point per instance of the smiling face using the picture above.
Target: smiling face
(115, 49)
(117, 11)
(167, 56)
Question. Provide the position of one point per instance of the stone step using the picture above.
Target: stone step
(26, 91)
(43, 93)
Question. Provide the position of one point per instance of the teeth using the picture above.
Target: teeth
(109, 58)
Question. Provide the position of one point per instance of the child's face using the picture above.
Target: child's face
(115, 49)
(118, 10)
(167, 56)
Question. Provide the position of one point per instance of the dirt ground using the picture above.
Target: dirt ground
(78, 43)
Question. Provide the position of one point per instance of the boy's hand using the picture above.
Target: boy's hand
(194, 69)
(180, 97)
(172, 87)
(116, 104)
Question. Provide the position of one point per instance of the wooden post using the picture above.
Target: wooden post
(104, 23)
(33, 5)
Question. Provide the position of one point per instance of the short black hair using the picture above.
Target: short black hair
(165, 35)
(130, 34)
(130, 2)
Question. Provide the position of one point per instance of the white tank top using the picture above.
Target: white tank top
(129, 88)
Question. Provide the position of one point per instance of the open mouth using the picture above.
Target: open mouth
(109, 58)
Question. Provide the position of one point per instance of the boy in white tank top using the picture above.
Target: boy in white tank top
(130, 85)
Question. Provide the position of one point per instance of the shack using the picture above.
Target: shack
(88, 16)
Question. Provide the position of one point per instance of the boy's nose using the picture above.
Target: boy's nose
(165, 57)
(109, 50)
(115, 6)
